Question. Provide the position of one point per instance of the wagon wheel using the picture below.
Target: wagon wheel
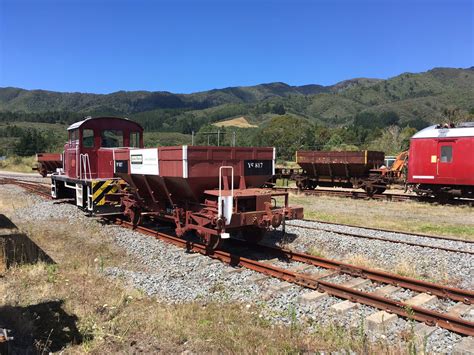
(379, 190)
(313, 185)
(369, 190)
(211, 241)
(253, 234)
(135, 216)
(300, 184)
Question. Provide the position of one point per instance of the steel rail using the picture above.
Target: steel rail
(363, 195)
(455, 324)
(383, 239)
(453, 293)
(31, 186)
(392, 231)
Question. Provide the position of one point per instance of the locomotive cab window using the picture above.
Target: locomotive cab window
(73, 135)
(111, 138)
(446, 154)
(88, 138)
(135, 139)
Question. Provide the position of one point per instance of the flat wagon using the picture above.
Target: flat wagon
(48, 163)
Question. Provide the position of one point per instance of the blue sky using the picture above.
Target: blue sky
(187, 46)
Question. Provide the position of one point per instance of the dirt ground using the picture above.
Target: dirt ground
(67, 304)
(416, 217)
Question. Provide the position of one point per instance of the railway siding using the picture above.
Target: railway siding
(450, 268)
(283, 306)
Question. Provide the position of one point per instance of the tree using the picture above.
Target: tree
(288, 134)
(278, 109)
(30, 143)
(393, 140)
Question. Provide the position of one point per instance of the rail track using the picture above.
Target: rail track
(39, 189)
(388, 240)
(306, 280)
(447, 321)
(392, 197)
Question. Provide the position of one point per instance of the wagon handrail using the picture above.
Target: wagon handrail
(232, 179)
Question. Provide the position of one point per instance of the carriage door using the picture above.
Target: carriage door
(445, 166)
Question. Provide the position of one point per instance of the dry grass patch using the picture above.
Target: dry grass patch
(240, 122)
(406, 269)
(18, 164)
(317, 251)
(361, 261)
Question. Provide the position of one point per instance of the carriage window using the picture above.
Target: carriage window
(111, 138)
(446, 154)
(88, 138)
(135, 139)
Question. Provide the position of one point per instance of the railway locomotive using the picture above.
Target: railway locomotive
(441, 162)
(212, 191)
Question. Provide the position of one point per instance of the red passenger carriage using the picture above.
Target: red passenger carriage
(441, 161)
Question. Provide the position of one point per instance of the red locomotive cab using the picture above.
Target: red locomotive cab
(89, 160)
(441, 162)
(89, 152)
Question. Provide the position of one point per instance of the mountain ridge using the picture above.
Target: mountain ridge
(422, 97)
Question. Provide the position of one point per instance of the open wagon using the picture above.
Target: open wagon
(342, 169)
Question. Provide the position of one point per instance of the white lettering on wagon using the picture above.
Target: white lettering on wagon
(255, 165)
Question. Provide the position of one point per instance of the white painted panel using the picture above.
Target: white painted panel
(225, 208)
(144, 161)
(185, 161)
(274, 160)
(423, 177)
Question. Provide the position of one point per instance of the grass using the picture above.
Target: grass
(240, 122)
(415, 217)
(18, 164)
(81, 310)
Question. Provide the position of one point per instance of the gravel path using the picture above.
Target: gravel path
(173, 276)
(456, 269)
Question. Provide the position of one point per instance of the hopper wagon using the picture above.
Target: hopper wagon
(215, 192)
(359, 169)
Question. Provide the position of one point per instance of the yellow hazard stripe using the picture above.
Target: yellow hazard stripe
(112, 189)
(101, 188)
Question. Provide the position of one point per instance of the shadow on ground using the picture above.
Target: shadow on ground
(17, 248)
(40, 328)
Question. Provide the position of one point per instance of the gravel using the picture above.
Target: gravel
(442, 243)
(171, 275)
(456, 269)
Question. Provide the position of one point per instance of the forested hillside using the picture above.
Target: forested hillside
(352, 114)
